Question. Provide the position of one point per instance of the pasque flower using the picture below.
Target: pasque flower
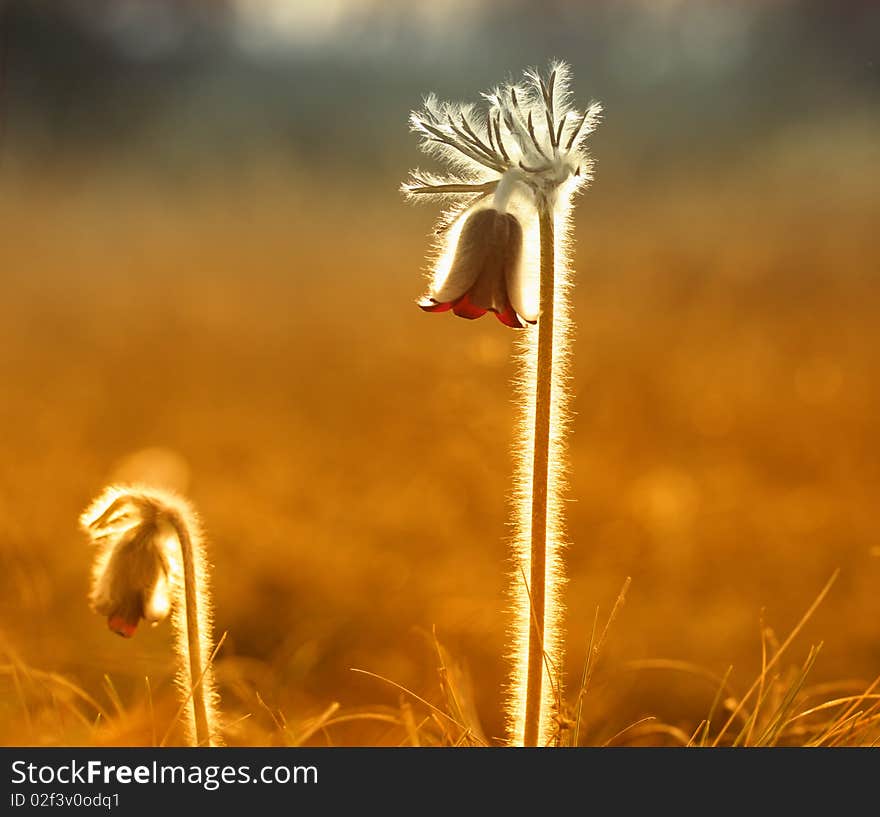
(485, 270)
(505, 160)
(502, 247)
(150, 563)
(136, 570)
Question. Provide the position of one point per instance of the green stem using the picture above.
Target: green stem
(540, 478)
(194, 642)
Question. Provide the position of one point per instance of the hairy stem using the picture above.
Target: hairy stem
(194, 643)
(540, 478)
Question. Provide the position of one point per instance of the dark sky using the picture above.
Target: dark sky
(165, 82)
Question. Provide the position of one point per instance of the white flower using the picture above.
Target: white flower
(524, 151)
(136, 568)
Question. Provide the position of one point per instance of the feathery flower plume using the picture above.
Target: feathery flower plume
(149, 563)
(502, 246)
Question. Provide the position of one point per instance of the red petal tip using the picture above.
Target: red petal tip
(465, 308)
(509, 318)
(122, 627)
(430, 305)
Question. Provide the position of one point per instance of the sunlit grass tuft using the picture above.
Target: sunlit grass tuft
(778, 708)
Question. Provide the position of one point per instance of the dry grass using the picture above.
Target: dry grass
(350, 459)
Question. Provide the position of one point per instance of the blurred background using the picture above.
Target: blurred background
(207, 281)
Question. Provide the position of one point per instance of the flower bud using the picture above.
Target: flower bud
(135, 570)
(485, 275)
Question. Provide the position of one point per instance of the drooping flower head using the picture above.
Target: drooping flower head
(524, 150)
(137, 564)
(150, 562)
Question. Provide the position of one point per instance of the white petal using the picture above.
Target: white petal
(523, 280)
(157, 602)
(450, 283)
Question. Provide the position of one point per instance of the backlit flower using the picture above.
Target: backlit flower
(485, 270)
(524, 148)
(136, 567)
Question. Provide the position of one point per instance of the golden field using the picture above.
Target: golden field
(253, 342)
